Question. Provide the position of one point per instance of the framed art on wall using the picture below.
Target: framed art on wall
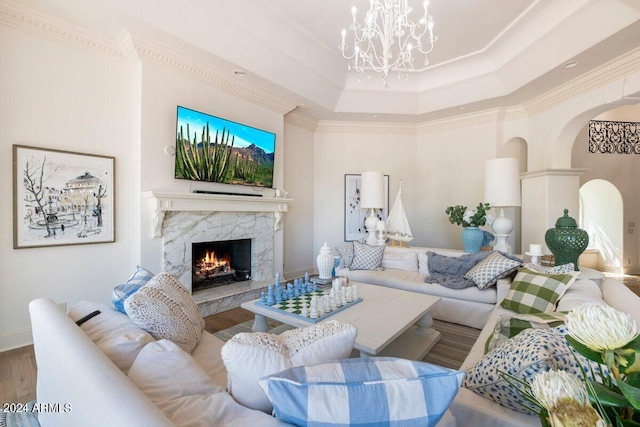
(354, 215)
(62, 198)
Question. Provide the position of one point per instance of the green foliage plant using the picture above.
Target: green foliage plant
(460, 215)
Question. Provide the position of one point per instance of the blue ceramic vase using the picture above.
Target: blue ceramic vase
(472, 238)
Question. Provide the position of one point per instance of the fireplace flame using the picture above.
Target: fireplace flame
(211, 263)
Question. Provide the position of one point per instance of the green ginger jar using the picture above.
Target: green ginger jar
(566, 241)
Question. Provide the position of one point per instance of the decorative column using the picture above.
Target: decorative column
(545, 193)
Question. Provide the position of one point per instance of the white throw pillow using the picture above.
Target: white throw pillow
(164, 308)
(405, 260)
(183, 391)
(113, 332)
(250, 356)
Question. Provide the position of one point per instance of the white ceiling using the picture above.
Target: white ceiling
(488, 51)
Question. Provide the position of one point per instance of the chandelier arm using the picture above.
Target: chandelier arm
(388, 39)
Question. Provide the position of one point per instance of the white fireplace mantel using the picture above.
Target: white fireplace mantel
(160, 203)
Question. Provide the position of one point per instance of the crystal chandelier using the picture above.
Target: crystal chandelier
(388, 40)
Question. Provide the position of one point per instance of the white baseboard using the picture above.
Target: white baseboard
(15, 339)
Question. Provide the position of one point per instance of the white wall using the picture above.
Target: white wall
(342, 150)
(450, 163)
(162, 90)
(299, 248)
(62, 97)
(623, 172)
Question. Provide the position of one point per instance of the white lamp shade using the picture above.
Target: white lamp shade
(502, 182)
(372, 190)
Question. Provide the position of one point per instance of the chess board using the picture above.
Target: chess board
(293, 306)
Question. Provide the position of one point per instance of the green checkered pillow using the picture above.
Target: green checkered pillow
(367, 257)
(491, 269)
(509, 325)
(534, 292)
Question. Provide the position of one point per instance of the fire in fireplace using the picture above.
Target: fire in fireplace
(219, 263)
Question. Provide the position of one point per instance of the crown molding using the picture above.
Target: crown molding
(132, 47)
(301, 120)
(603, 75)
(491, 115)
(33, 21)
(199, 66)
(329, 126)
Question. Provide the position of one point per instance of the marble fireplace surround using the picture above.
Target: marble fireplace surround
(181, 219)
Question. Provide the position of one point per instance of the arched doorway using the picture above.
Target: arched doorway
(601, 215)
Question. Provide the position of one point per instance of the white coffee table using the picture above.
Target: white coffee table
(390, 322)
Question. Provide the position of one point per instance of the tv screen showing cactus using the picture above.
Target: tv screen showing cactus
(213, 149)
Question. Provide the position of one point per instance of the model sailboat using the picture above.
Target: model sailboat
(397, 226)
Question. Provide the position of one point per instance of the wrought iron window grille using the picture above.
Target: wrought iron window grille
(611, 137)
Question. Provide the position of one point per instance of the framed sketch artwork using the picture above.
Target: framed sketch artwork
(354, 215)
(62, 198)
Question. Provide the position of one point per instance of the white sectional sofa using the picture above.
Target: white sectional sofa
(471, 409)
(89, 387)
(407, 269)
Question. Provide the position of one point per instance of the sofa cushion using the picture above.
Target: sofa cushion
(582, 291)
(346, 254)
(113, 332)
(181, 389)
(491, 269)
(250, 356)
(400, 260)
(121, 292)
(530, 352)
(534, 292)
(415, 282)
(367, 257)
(366, 391)
(165, 308)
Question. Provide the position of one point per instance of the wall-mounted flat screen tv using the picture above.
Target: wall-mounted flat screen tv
(213, 149)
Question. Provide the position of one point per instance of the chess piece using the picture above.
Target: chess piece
(277, 279)
(354, 292)
(343, 297)
(348, 295)
(306, 277)
(263, 298)
(304, 311)
(313, 313)
(332, 302)
(270, 298)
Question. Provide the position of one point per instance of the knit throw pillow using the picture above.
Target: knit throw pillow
(367, 257)
(164, 308)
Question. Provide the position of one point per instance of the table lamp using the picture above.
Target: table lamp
(371, 198)
(501, 190)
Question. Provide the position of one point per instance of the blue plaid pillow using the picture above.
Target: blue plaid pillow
(130, 287)
(341, 393)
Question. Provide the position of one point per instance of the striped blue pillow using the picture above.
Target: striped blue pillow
(130, 287)
(342, 393)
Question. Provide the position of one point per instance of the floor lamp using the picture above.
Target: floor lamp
(501, 190)
(371, 198)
